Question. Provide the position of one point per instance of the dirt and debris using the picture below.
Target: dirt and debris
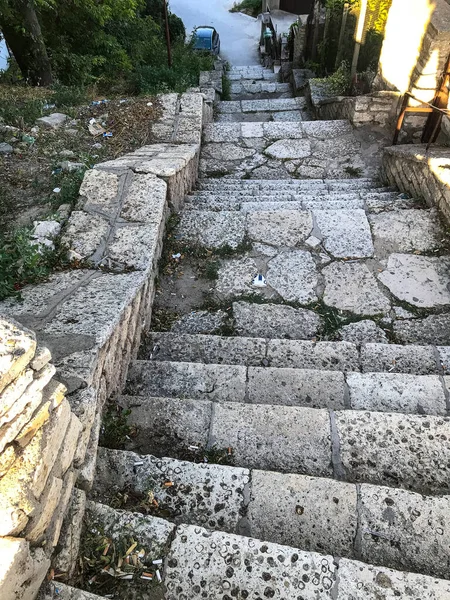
(42, 166)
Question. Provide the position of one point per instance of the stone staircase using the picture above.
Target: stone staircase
(305, 454)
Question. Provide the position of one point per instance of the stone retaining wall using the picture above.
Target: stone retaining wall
(91, 319)
(377, 109)
(39, 435)
(421, 174)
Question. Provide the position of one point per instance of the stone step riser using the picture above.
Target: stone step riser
(258, 106)
(385, 392)
(274, 205)
(194, 560)
(318, 515)
(293, 188)
(297, 354)
(389, 449)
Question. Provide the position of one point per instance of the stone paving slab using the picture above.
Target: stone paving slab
(434, 329)
(218, 383)
(207, 349)
(175, 424)
(397, 392)
(280, 228)
(296, 387)
(359, 581)
(419, 280)
(362, 332)
(208, 495)
(406, 231)
(275, 321)
(305, 512)
(351, 286)
(405, 531)
(417, 360)
(235, 277)
(294, 276)
(408, 451)
(229, 566)
(212, 229)
(279, 438)
(346, 233)
(332, 356)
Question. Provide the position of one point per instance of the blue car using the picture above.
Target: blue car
(207, 39)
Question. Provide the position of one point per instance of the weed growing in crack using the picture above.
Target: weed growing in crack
(163, 319)
(211, 455)
(354, 172)
(115, 429)
(211, 270)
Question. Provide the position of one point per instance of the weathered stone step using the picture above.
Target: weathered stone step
(251, 73)
(344, 185)
(62, 591)
(287, 386)
(194, 559)
(270, 105)
(291, 192)
(396, 450)
(272, 203)
(310, 513)
(249, 89)
(299, 354)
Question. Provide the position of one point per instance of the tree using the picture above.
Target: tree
(20, 25)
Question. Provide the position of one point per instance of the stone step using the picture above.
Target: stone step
(390, 449)
(286, 116)
(343, 185)
(253, 89)
(251, 73)
(298, 354)
(270, 105)
(290, 386)
(294, 193)
(272, 203)
(311, 513)
(194, 559)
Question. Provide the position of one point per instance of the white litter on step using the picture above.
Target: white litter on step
(259, 281)
(138, 463)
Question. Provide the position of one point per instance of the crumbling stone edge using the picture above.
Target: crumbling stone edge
(65, 349)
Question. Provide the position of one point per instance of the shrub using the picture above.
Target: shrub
(250, 7)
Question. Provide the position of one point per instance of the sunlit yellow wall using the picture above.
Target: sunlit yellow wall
(405, 31)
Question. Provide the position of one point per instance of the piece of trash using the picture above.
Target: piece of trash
(56, 190)
(131, 548)
(56, 171)
(403, 196)
(123, 101)
(176, 256)
(158, 575)
(95, 102)
(107, 134)
(28, 139)
(141, 553)
(48, 106)
(158, 561)
(259, 281)
(149, 103)
(168, 484)
(95, 128)
(138, 463)
(126, 577)
(148, 576)
(193, 448)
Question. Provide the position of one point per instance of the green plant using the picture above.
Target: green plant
(226, 87)
(250, 7)
(353, 171)
(115, 429)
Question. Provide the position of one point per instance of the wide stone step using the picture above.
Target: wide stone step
(251, 73)
(400, 450)
(344, 185)
(191, 559)
(311, 513)
(253, 89)
(272, 203)
(270, 105)
(298, 354)
(288, 386)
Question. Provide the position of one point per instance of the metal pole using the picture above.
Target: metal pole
(169, 50)
(358, 39)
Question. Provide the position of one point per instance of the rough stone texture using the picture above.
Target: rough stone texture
(66, 592)
(65, 560)
(22, 569)
(174, 424)
(331, 356)
(275, 321)
(205, 494)
(261, 439)
(243, 567)
(351, 286)
(346, 233)
(207, 349)
(218, 383)
(419, 280)
(235, 277)
(358, 581)
(296, 387)
(17, 348)
(289, 149)
(418, 360)
(212, 229)
(293, 275)
(434, 329)
(281, 228)
(407, 451)
(304, 512)
(362, 332)
(418, 526)
(397, 392)
(200, 321)
(406, 231)
(444, 358)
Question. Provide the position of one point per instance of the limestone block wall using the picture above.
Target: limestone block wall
(91, 319)
(421, 174)
(377, 109)
(39, 435)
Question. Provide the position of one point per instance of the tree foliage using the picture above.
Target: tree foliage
(106, 42)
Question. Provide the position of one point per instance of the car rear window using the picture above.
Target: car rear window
(202, 43)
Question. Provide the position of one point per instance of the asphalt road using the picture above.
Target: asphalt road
(239, 34)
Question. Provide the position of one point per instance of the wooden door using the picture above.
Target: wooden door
(297, 7)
